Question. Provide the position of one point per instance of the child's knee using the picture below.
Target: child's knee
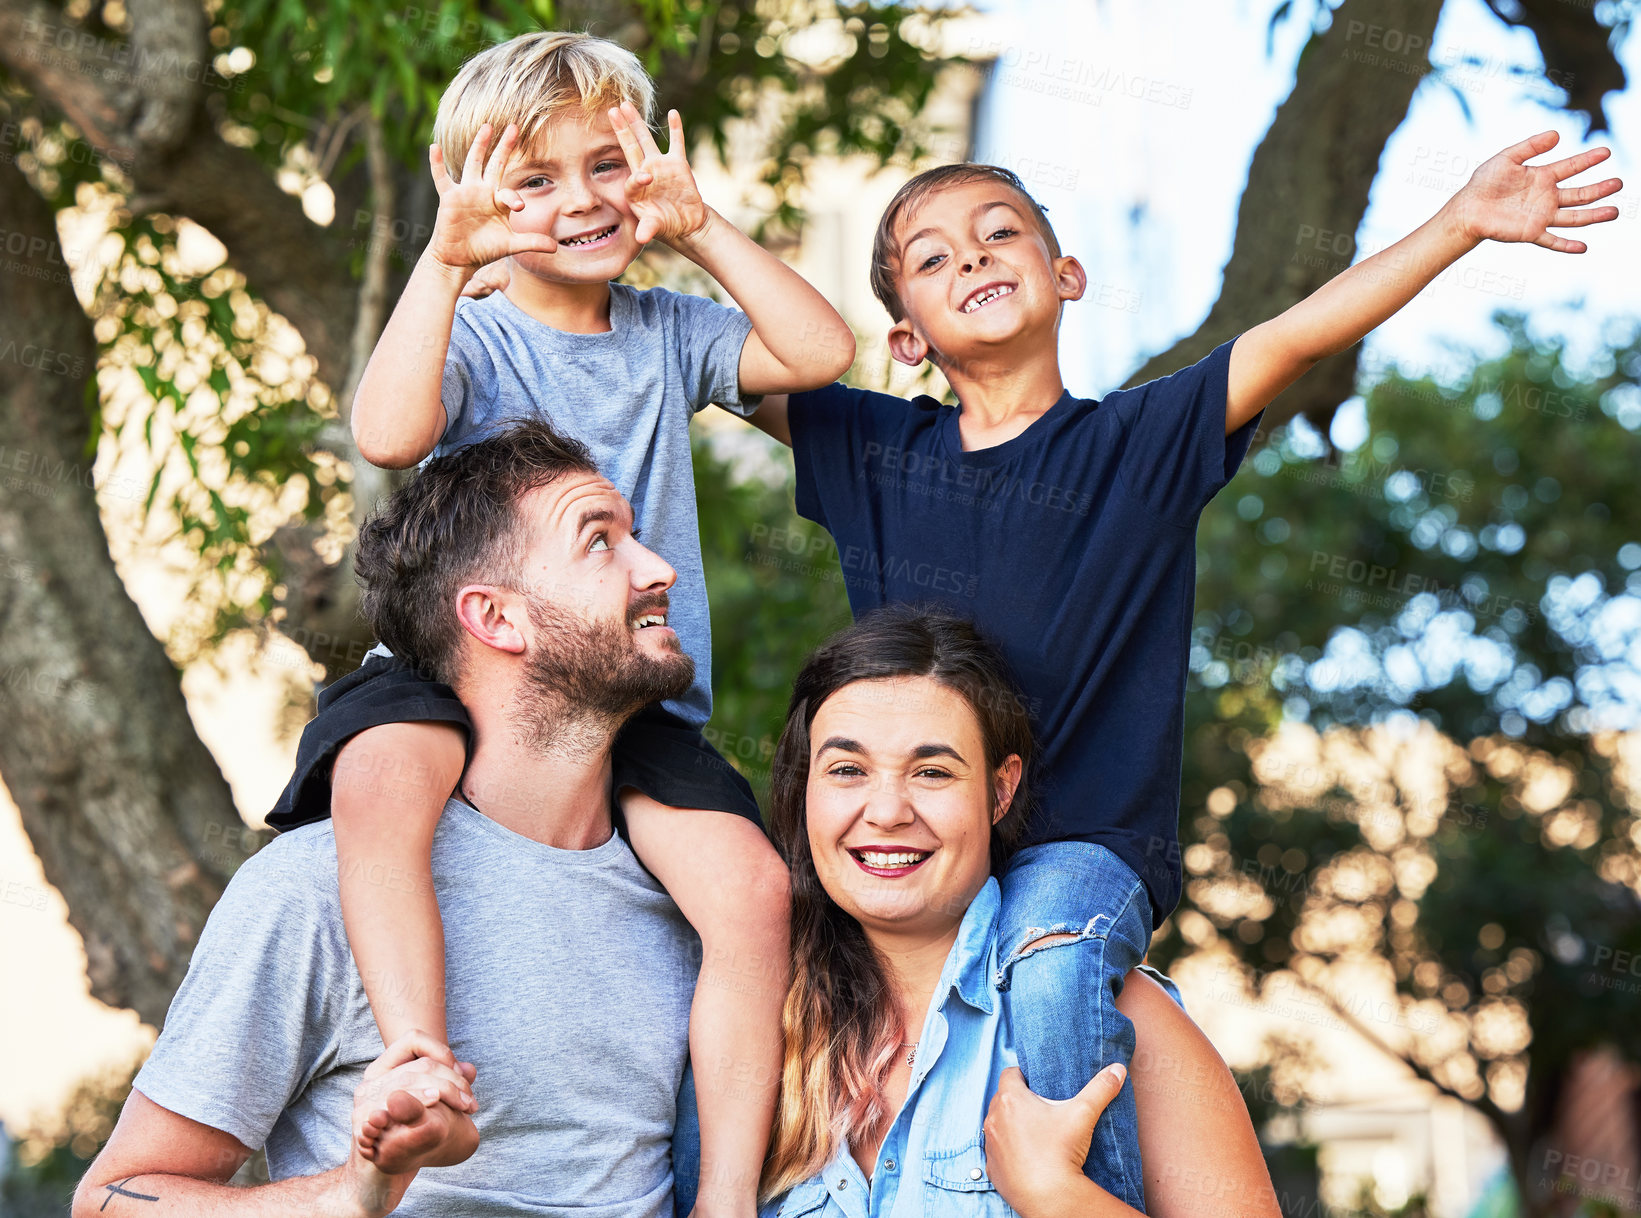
(1060, 970)
(397, 766)
(1061, 954)
(1047, 941)
(406, 753)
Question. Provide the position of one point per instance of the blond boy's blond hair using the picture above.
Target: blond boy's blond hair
(531, 80)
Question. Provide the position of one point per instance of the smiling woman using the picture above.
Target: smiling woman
(900, 791)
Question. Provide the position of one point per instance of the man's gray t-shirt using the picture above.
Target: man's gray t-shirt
(628, 395)
(569, 976)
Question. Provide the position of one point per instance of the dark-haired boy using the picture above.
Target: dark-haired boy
(1074, 522)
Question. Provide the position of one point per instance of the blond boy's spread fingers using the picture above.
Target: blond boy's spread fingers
(625, 137)
(646, 140)
(474, 164)
(498, 158)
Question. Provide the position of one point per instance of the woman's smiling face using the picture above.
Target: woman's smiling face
(900, 803)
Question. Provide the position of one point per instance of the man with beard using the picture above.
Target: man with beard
(511, 570)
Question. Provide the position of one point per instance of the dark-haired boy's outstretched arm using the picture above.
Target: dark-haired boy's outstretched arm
(770, 418)
(1505, 200)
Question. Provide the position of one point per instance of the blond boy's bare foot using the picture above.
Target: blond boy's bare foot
(407, 1133)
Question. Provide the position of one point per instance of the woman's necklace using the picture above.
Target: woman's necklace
(912, 1056)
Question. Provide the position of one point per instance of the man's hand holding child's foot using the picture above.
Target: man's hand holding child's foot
(414, 1130)
(414, 1107)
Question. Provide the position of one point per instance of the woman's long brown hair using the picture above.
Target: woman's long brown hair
(839, 1021)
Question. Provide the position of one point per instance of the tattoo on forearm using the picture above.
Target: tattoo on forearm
(120, 1190)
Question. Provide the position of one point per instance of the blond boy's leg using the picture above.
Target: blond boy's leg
(735, 891)
(388, 788)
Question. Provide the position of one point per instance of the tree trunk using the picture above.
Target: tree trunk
(128, 812)
(1308, 189)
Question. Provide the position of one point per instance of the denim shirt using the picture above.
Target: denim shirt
(932, 1162)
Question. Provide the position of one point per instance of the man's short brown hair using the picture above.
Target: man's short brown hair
(455, 523)
(886, 250)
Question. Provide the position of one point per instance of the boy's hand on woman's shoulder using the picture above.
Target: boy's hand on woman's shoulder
(1507, 199)
(661, 189)
(473, 226)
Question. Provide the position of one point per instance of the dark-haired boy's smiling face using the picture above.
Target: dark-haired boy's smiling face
(976, 275)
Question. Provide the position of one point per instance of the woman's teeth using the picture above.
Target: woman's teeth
(904, 858)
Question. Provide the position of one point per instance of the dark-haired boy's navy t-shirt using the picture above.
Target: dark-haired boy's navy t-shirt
(1072, 547)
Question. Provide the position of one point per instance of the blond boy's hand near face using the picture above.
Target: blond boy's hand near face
(473, 227)
(661, 188)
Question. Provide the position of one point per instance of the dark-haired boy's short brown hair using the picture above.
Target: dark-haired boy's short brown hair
(454, 523)
(886, 250)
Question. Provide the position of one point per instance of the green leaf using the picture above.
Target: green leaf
(153, 489)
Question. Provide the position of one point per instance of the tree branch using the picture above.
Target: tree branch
(1577, 50)
(300, 268)
(1311, 175)
(172, 56)
(165, 140)
(1483, 1104)
(128, 812)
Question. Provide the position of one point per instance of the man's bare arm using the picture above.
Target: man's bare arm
(160, 1164)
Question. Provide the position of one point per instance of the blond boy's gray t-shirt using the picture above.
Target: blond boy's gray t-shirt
(569, 980)
(628, 395)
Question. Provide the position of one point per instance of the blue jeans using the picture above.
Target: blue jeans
(1062, 999)
(686, 1149)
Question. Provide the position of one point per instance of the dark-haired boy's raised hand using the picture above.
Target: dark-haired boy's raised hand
(474, 225)
(1508, 200)
(661, 189)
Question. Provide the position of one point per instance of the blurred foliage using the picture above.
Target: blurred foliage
(199, 376)
(1405, 768)
(777, 592)
(49, 1159)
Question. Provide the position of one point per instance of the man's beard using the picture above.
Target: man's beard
(583, 679)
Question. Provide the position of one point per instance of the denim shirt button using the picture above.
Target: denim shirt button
(888, 1165)
(842, 1184)
(976, 1173)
